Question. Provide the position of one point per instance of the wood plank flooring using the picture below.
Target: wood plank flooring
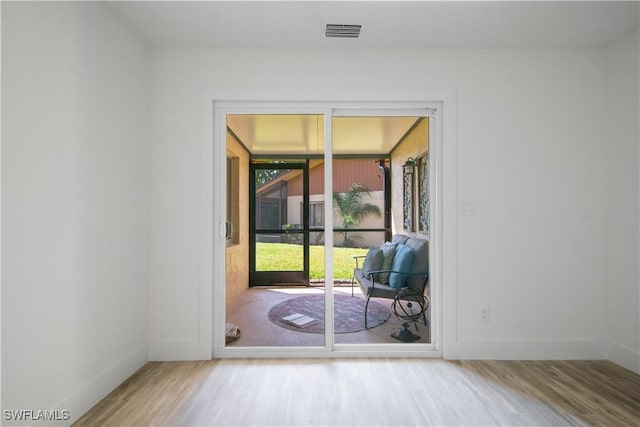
(372, 392)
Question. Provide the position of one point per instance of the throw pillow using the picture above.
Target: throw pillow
(402, 263)
(373, 261)
(420, 261)
(399, 238)
(388, 250)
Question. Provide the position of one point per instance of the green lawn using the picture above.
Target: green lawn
(288, 257)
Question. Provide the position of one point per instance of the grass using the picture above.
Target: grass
(288, 257)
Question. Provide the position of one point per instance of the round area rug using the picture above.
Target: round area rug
(349, 313)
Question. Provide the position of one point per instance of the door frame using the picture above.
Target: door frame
(216, 103)
(261, 278)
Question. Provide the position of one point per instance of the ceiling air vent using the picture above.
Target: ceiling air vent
(343, 30)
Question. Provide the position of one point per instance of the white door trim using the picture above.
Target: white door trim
(216, 103)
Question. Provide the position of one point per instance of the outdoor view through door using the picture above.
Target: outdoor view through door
(276, 211)
(273, 228)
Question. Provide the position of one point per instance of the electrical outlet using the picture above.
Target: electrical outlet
(484, 314)
(466, 207)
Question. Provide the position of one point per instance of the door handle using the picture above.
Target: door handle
(228, 229)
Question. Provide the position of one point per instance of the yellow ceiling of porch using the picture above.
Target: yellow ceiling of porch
(293, 134)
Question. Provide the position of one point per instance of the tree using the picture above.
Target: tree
(265, 176)
(352, 210)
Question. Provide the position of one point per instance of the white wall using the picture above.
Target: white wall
(529, 154)
(74, 205)
(621, 147)
(552, 249)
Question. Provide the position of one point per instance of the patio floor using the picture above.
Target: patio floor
(250, 313)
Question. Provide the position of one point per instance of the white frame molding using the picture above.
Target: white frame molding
(439, 105)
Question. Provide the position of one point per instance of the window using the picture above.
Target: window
(316, 214)
(423, 194)
(233, 201)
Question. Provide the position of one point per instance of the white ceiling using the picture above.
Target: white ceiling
(386, 24)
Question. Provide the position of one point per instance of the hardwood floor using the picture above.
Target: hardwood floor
(366, 392)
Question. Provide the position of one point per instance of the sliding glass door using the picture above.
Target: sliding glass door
(274, 281)
(317, 192)
(370, 198)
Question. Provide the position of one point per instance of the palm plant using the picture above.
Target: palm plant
(352, 210)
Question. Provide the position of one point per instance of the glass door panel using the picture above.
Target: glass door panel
(281, 302)
(277, 213)
(369, 201)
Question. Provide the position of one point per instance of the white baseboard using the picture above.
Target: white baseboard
(623, 356)
(170, 351)
(86, 396)
(587, 349)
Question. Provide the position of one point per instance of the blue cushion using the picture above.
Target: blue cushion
(402, 262)
(388, 250)
(373, 261)
(399, 238)
(420, 261)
